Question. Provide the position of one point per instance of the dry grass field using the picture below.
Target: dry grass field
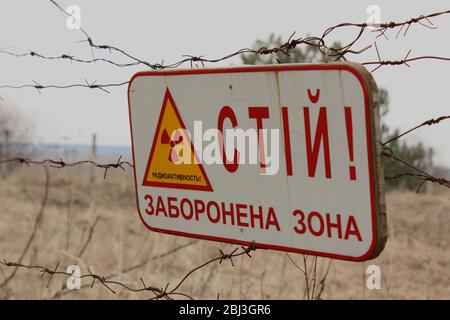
(414, 264)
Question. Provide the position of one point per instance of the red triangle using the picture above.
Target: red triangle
(165, 139)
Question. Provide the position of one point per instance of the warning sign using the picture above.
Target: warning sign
(173, 162)
(285, 157)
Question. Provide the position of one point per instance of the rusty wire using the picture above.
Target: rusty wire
(89, 85)
(59, 164)
(418, 173)
(66, 56)
(166, 292)
(64, 290)
(291, 43)
(106, 281)
(428, 122)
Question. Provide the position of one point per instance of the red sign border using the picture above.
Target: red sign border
(371, 150)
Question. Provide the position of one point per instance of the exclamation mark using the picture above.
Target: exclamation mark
(287, 140)
(349, 125)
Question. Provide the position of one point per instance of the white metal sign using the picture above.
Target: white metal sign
(284, 157)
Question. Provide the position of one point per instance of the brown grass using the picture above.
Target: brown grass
(414, 263)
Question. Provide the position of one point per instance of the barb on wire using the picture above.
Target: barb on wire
(104, 46)
(284, 48)
(422, 177)
(64, 291)
(291, 43)
(383, 27)
(68, 57)
(95, 85)
(429, 122)
(59, 164)
(220, 258)
(418, 174)
(332, 53)
(92, 85)
(158, 293)
(405, 61)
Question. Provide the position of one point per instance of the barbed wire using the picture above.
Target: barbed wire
(428, 122)
(68, 57)
(333, 53)
(92, 85)
(158, 293)
(319, 42)
(387, 152)
(290, 44)
(104, 46)
(383, 27)
(405, 61)
(64, 290)
(59, 164)
(422, 175)
(419, 173)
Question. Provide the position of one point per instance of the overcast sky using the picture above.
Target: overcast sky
(165, 30)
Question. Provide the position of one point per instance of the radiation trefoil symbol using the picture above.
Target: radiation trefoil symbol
(165, 166)
(174, 156)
